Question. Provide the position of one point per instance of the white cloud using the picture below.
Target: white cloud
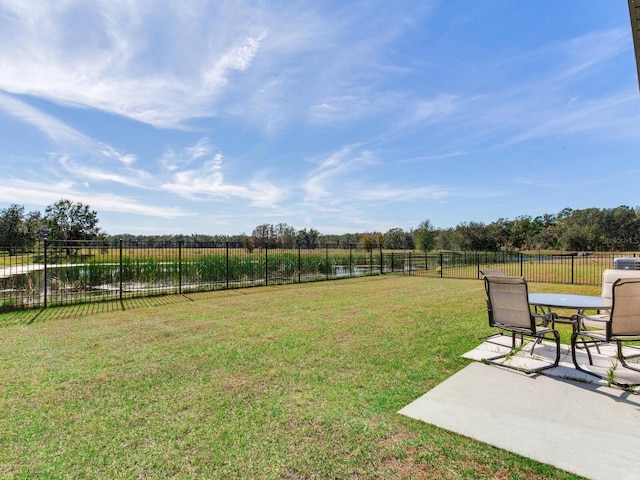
(53, 128)
(433, 110)
(38, 194)
(109, 59)
(330, 176)
(396, 194)
(206, 182)
(85, 171)
(125, 158)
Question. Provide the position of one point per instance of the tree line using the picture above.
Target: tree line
(591, 229)
(63, 220)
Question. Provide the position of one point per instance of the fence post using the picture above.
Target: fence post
(46, 280)
(521, 255)
(227, 264)
(266, 263)
(572, 266)
(409, 266)
(180, 243)
(371, 262)
(121, 270)
(299, 265)
(478, 262)
(326, 261)
(350, 261)
(381, 261)
(441, 269)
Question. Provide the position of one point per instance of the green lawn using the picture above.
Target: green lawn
(296, 381)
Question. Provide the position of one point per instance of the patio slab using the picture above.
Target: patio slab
(562, 417)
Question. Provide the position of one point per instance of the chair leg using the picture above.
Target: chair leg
(574, 339)
(586, 347)
(610, 381)
(623, 359)
(536, 339)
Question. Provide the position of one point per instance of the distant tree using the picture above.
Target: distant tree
(547, 236)
(13, 235)
(425, 236)
(475, 236)
(69, 220)
(307, 239)
(445, 239)
(620, 227)
(395, 239)
(33, 224)
(247, 244)
(580, 229)
(262, 235)
(367, 242)
(379, 239)
(285, 235)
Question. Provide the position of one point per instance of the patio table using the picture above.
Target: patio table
(548, 301)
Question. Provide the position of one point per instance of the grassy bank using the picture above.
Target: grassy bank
(296, 381)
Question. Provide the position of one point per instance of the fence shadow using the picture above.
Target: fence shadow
(28, 317)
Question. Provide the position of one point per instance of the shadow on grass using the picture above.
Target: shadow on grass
(27, 317)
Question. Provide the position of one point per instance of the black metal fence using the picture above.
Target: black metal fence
(568, 268)
(67, 273)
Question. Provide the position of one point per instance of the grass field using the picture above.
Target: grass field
(295, 381)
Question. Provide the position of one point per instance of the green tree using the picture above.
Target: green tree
(394, 239)
(475, 236)
(69, 220)
(13, 235)
(445, 239)
(307, 239)
(247, 244)
(620, 228)
(580, 229)
(262, 235)
(285, 235)
(425, 236)
(547, 232)
(368, 242)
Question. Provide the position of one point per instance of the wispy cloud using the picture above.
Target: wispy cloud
(545, 100)
(84, 171)
(206, 180)
(109, 60)
(125, 158)
(210, 52)
(53, 128)
(334, 173)
(595, 116)
(39, 193)
(82, 154)
(438, 109)
(408, 194)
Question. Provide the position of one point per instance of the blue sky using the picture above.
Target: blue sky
(213, 117)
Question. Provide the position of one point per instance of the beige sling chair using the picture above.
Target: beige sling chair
(621, 325)
(509, 311)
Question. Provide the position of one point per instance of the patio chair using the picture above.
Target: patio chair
(492, 273)
(509, 311)
(621, 325)
(609, 277)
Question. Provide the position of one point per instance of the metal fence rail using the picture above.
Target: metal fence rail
(65, 273)
(568, 268)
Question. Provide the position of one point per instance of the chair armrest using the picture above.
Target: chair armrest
(580, 319)
(546, 318)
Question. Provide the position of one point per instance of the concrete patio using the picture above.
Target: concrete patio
(562, 417)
